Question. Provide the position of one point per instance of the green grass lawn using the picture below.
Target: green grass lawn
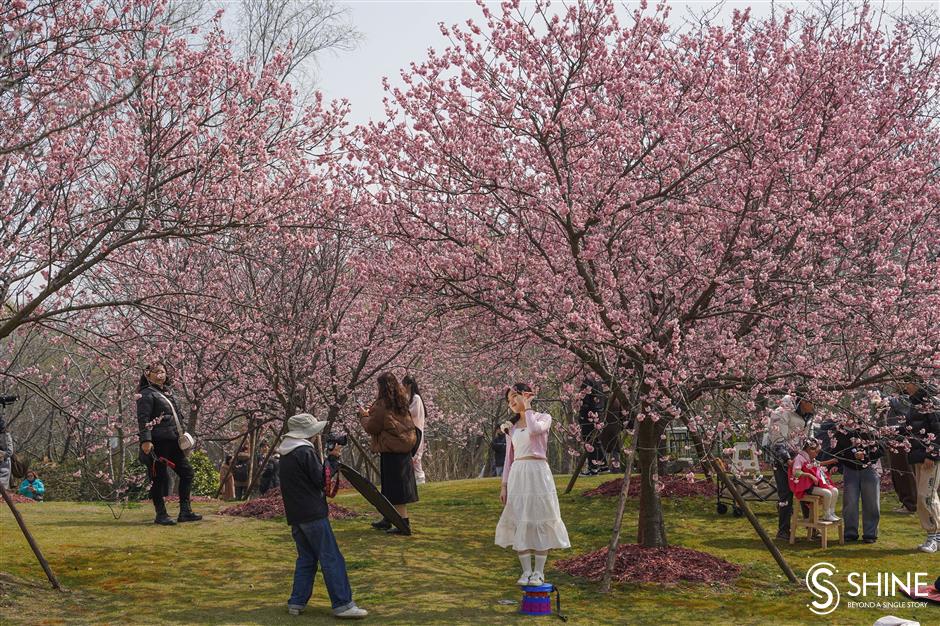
(238, 571)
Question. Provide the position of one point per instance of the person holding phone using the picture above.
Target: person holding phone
(394, 437)
(531, 521)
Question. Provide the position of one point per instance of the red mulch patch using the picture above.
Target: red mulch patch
(272, 505)
(635, 564)
(18, 499)
(673, 487)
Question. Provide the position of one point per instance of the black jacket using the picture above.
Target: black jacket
(499, 449)
(923, 419)
(156, 411)
(593, 402)
(845, 449)
(270, 475)
(301, 475)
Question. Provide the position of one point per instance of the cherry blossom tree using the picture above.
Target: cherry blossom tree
(739, 208)
(114, 134)
(126, 145)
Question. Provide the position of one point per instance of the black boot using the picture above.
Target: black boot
(382, 524)
(394, 530)
(187, 515)
(162, 518)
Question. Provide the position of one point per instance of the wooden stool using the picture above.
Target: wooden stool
(813, 522)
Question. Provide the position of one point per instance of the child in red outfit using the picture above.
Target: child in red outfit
(810, 477)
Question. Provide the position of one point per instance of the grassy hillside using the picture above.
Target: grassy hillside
(238, 571)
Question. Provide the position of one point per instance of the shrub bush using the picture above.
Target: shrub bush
(206, 479)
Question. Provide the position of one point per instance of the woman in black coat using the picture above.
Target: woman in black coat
(159, 444)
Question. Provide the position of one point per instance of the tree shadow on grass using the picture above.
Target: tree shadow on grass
(803, 545)
(101, 523)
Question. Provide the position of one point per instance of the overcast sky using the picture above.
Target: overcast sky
(397, 32)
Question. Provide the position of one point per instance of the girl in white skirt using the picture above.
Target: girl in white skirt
(531, 520)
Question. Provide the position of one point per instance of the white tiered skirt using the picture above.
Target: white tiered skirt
(531, 519)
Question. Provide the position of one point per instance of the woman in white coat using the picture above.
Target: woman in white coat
(531, 520)
(418, 415)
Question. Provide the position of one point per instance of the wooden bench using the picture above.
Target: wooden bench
(813, 523)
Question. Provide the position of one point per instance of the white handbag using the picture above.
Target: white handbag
(186, 441)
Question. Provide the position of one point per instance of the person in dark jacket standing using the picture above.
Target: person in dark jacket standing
(902, 474)
(159, 444)
(593, 411)
(268, 471)
(857, 454)
(302, 489)
(394, 437)
(923, 434)
(499, 451)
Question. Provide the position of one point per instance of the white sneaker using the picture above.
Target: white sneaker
(537, 578)
(930, 546)
(524, 579)
(353, 612)
(830, 518)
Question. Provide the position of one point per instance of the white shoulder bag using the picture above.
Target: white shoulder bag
(186, 441)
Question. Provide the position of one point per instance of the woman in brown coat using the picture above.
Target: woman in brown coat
(227, 479)
(389, 422)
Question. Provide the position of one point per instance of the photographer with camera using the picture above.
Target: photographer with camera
(303, 484)
(6, 444)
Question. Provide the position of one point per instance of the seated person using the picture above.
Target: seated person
(32, 487)
(810, 477)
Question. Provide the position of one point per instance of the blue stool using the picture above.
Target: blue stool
(537, 600)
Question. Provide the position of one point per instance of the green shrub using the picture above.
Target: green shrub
(206, 479)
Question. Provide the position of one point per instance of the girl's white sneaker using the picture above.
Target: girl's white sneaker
(524, 579)
(537, 578)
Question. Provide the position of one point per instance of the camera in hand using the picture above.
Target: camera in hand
(5, 400)
(333, 440)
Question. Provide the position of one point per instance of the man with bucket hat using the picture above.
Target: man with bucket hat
(302, 488)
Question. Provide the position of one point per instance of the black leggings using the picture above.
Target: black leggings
(169, 449)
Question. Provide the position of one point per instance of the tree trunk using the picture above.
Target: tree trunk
(651, 531)
(618, 517)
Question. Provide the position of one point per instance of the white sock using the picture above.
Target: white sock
(540, 563)
(526, 560)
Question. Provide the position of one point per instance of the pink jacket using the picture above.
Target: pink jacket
(538, 425)
(803, 468)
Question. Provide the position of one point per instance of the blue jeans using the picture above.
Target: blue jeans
(864, 483)
(316, 544)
